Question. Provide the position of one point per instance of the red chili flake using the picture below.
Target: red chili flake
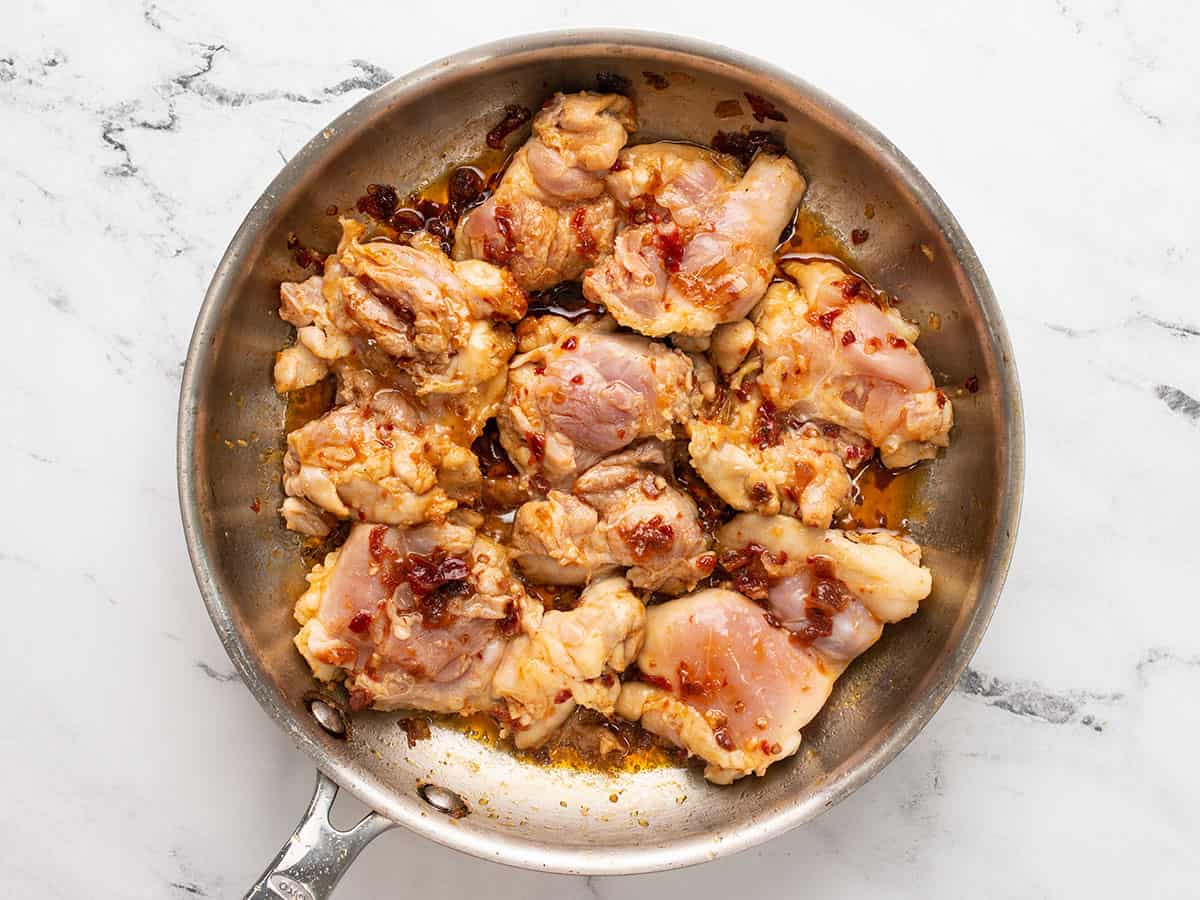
(648, 538)
(415, 729)
(375, 546)
(657, 681)
(511, 621)
(656, 81)
(539, 370)
(570, 343)
(859, 236)
(721, 736)
(759, 492)
(872, 345)
(692, 685)
(379, 202)
(826, 318)
(361, 622)
(305, 257)
(562, 696)
(256, 506)
(362, 516)
(442, 225)
(822, 566)
(764, 109)
(972, 384)
(941, 399)
(734, 560)
(514, 117)
(671, 246)
(847, 338)
(712, 509)
(576, 379)
(826, 598)
(766, 426)
(435, 580)
(897, 343)
(499, 252)
(746, 567)
(851, 287)
(426, 573)
(584, 238)
(706, 562)
(612, 83)
(407, 220)
(745, 144)
(429, 208)
(537, 445)
(464, 187)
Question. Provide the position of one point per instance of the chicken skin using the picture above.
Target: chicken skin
(569, 658)
(550, 217)
(622, 512)
(412, 618)
(589, 394)
(734, 682)
(698, 243)
(830, 352)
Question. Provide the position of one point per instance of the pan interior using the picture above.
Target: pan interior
(250, 568)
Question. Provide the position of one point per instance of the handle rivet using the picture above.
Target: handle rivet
(328, 716)
(443, 801)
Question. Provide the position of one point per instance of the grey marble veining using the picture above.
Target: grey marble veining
(1064, 135)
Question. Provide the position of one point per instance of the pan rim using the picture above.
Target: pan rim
(512, 849)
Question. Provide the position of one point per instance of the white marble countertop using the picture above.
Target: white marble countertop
(133, 138)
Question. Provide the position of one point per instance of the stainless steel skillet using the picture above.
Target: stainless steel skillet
(463, 793)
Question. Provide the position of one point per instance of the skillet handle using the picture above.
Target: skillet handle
(316, 857)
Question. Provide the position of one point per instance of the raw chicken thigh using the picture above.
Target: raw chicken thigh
(733, 682)
(881, 568)
(622, 512)
(570, 658)
(756, 460)
(550, 217)
(699, 244)
(830, 352)
(443, 320)
(412, 617)
(374, 462)
(723, 683)
(589, 394)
